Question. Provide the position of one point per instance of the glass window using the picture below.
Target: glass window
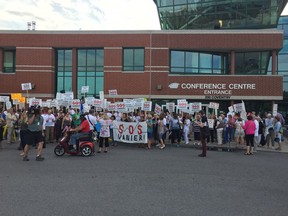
(251, 63)
(9, 61)
(90, 70)
(190, 62)
(64, 70)
(133, 59)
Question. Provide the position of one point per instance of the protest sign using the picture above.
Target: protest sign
(130, 132)
(157, 109)
(195, 107)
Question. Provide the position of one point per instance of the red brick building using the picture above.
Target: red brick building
(197, 65)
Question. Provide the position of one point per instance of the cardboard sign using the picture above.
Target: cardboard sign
(16, 96)
(35, 102)
(101, 95)
(238, 107)
(113, 92)
(157, 109)
(231, 109)
(211, 123)
(84, 89)
(26, 86)
(195, 107)
(275, 109)
(121, 107)
(112, 107)
(97, 103)
(182, 104)
(147, 106)
(76, 104)
(170, 107)
(213, 105)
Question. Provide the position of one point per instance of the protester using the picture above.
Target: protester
(161, 127)
(35, 133)
(277, 128)
(249, 129)
(269, 131)
(220, 128)
(203, 133)
(104, 133)
(175, 126)
(10, 122)
(83, 130)
(187, 124)
(49, 127)
(149, 122)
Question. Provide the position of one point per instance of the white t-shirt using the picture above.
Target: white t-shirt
(92, 121)
(105, 130)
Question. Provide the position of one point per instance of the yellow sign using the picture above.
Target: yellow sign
(22, 100)
(16, 96)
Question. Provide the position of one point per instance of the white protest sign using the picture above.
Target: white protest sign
(138, 102)
(213, 105)
(231, 109)
(46, 104)
(26, 86)
(84, 89)
(68, 96)
(89, 100)
(54, 103)
(101, 95)
(275, 109)
(238, 107)
(211, 123)
(147, 106)
(112, 107)
(157, 109)
(15, 102)
(4, 98)
(35, 102)
(182, 104)
(195, 107)
(76, 104)
(121, 107)
(8, 105)
(170, 107)
(130, 132)
(113, 92)
(97, 103)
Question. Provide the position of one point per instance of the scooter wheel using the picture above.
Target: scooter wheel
(59, 150)
(86, 151)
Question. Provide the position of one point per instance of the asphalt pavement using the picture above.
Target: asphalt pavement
(130, 180)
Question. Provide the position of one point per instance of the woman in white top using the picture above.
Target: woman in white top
(187, 123)
(104, 132)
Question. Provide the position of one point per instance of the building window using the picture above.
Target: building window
(188, 62)
(90, 70)
(133, 59)
(9, 61)
(251, 63)
(64, 70)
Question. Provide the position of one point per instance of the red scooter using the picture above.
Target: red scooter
(85, 146)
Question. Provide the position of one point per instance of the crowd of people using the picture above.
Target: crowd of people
(38, 127)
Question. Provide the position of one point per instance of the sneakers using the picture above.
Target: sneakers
(39, 158)
(25, 158)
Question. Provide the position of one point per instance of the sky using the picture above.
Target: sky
(81, 14)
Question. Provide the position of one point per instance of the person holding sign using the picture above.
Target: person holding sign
(203, 133)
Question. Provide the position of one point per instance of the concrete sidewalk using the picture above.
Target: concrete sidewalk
(233, 147)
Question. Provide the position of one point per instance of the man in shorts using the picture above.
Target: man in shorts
(35, 134)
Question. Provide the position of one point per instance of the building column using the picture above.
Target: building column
(232, 63)
(274, 62)
(74, 72)
(1, 60)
